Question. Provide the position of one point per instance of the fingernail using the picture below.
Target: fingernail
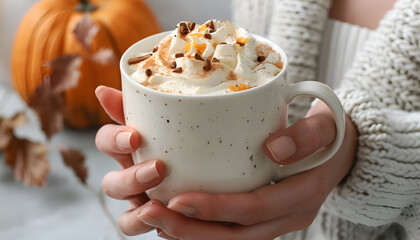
(98, 89)
(282, 148)
(182, 208)
(164, 235)
(123, 140)
(149, 220)
(147, 173)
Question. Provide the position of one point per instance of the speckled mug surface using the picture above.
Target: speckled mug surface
(214, 143)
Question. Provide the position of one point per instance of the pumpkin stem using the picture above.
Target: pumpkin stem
(85, 6)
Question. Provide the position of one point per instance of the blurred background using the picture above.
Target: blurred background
(65, 208)
(168, 13)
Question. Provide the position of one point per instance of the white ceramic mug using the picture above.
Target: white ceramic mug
(214, 143)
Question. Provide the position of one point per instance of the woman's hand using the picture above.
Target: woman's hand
(270, 211)
(265, 213)
(130, 183)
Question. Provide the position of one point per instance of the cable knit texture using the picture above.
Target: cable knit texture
(381, 93)
(297, 27)
(380, 198)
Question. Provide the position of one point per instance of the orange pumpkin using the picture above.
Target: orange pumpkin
(46, 32)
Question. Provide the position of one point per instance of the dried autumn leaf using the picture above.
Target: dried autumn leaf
(85, 31)
(28, 161)
(104, 56)
(74, 159)
(7, 125)
(50, 108)
(65, 72)
(48, 101)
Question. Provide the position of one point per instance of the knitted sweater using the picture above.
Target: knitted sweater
(380, 197)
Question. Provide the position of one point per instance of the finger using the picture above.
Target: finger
(277, 227)
(117, 141)
(123, 184)
(301, 139)
(174, 224)
(296, 193)
(179, 226)
(305, 190)
(129, 223)
(111, 101)
(137, 201)
(163, 235)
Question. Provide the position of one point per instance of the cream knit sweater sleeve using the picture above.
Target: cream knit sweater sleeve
(381, 94)
(297, 27)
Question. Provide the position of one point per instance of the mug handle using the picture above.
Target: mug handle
(325, 94)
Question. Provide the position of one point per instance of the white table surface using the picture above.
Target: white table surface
(64, 209)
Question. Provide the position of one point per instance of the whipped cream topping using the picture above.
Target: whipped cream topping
(213, 58)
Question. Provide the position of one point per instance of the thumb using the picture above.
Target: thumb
(301, 139)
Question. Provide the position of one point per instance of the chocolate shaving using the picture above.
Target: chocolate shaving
(173, 64)
(207, 35)
(215, 60)
(212, 30)
(260, 58)
(155, 49)
(138, 59)
(148, 72)
(207, 65)
(240, 43)
(198, 57)
(191, 25)
(210, 24)
(177, 70)
(178, 55)
(183, 28)
(223, 43)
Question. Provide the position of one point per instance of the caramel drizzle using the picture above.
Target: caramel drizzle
(135, 60)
